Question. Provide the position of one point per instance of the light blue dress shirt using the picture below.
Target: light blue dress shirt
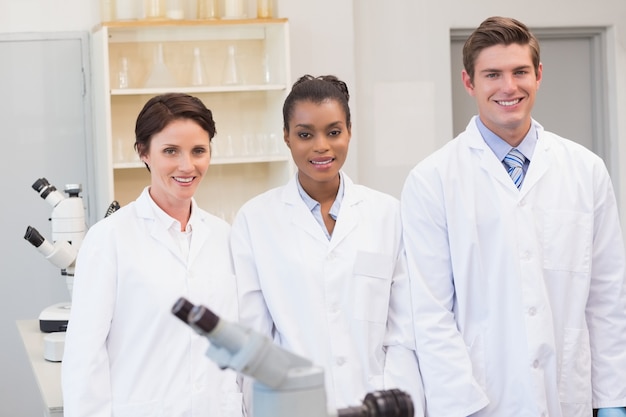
(500, 148)
(316, 208)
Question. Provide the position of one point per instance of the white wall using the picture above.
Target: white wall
(396, 57)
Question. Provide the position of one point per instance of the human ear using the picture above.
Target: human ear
(539, 74)
(286, 137)
(467, 83)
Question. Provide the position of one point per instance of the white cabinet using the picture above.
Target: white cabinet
(238, 68)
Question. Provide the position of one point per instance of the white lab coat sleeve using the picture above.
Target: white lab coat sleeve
(253, 311)
(85, 367)
(232, 382)
(449, 385)
(401, 367)
(606, 306)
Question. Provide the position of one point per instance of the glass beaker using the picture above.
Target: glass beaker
(126, 10)
(160, 75)
(231, 74)
(264, 9)
(123, 75)
(198, 75)
(207, 9)
(154, 9)
(175, 9)
(233, 9)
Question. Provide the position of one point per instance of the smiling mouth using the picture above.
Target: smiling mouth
(508, 103)
(324, 162)
(185, 180)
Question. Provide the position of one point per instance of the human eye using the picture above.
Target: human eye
(169, 151)
(304, 135)
(200, 150)
(335, 132)
(491, 75)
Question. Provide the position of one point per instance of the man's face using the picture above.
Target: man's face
(505, 85)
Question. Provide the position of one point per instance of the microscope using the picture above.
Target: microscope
(286, 384)
(68, 231)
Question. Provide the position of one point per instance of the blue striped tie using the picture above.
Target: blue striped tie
(514, 160)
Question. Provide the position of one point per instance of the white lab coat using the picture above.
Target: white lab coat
(126, 354)
(528, 284)
(344, 303)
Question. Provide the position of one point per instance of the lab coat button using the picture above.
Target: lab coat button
(340, 361)
(532, 311)
(535, 364)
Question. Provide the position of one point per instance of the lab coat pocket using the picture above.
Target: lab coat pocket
(372, 286)
(575, 379)
(567, 237)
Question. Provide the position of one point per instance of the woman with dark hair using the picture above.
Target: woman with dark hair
(320, 263)
(126, 354)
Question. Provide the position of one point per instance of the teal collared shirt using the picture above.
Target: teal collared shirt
(316, 208)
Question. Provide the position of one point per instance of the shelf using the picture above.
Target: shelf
(198, 89)
(142, 23)
(249, 156)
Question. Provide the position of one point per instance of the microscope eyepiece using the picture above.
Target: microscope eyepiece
(40, 184)
(182, 308)
(198, 317)
(203, 318)
(43, 187)
(33, 236)
(389, 403)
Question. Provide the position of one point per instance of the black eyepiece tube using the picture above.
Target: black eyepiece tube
(203, 319)
(33, 236)
(40, 184)
(390, 403)
(182, 308)
(43, 187)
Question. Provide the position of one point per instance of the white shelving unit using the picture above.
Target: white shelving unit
(249, 155)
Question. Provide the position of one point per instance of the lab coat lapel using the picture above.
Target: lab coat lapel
(158, 233)
(200, 234)
(539, 164)
(348, 217)
(162, 236)
(487, 160)
(298, 213)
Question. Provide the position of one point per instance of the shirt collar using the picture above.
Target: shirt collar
(168, 221)
(499, 146)
(313, 204)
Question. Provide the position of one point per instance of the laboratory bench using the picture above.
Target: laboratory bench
(47, 374)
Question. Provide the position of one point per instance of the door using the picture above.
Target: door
(46, 132)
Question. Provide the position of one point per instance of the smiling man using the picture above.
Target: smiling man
(515, 254)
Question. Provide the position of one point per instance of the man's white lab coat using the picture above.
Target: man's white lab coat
(344, 303)
(527, 284)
